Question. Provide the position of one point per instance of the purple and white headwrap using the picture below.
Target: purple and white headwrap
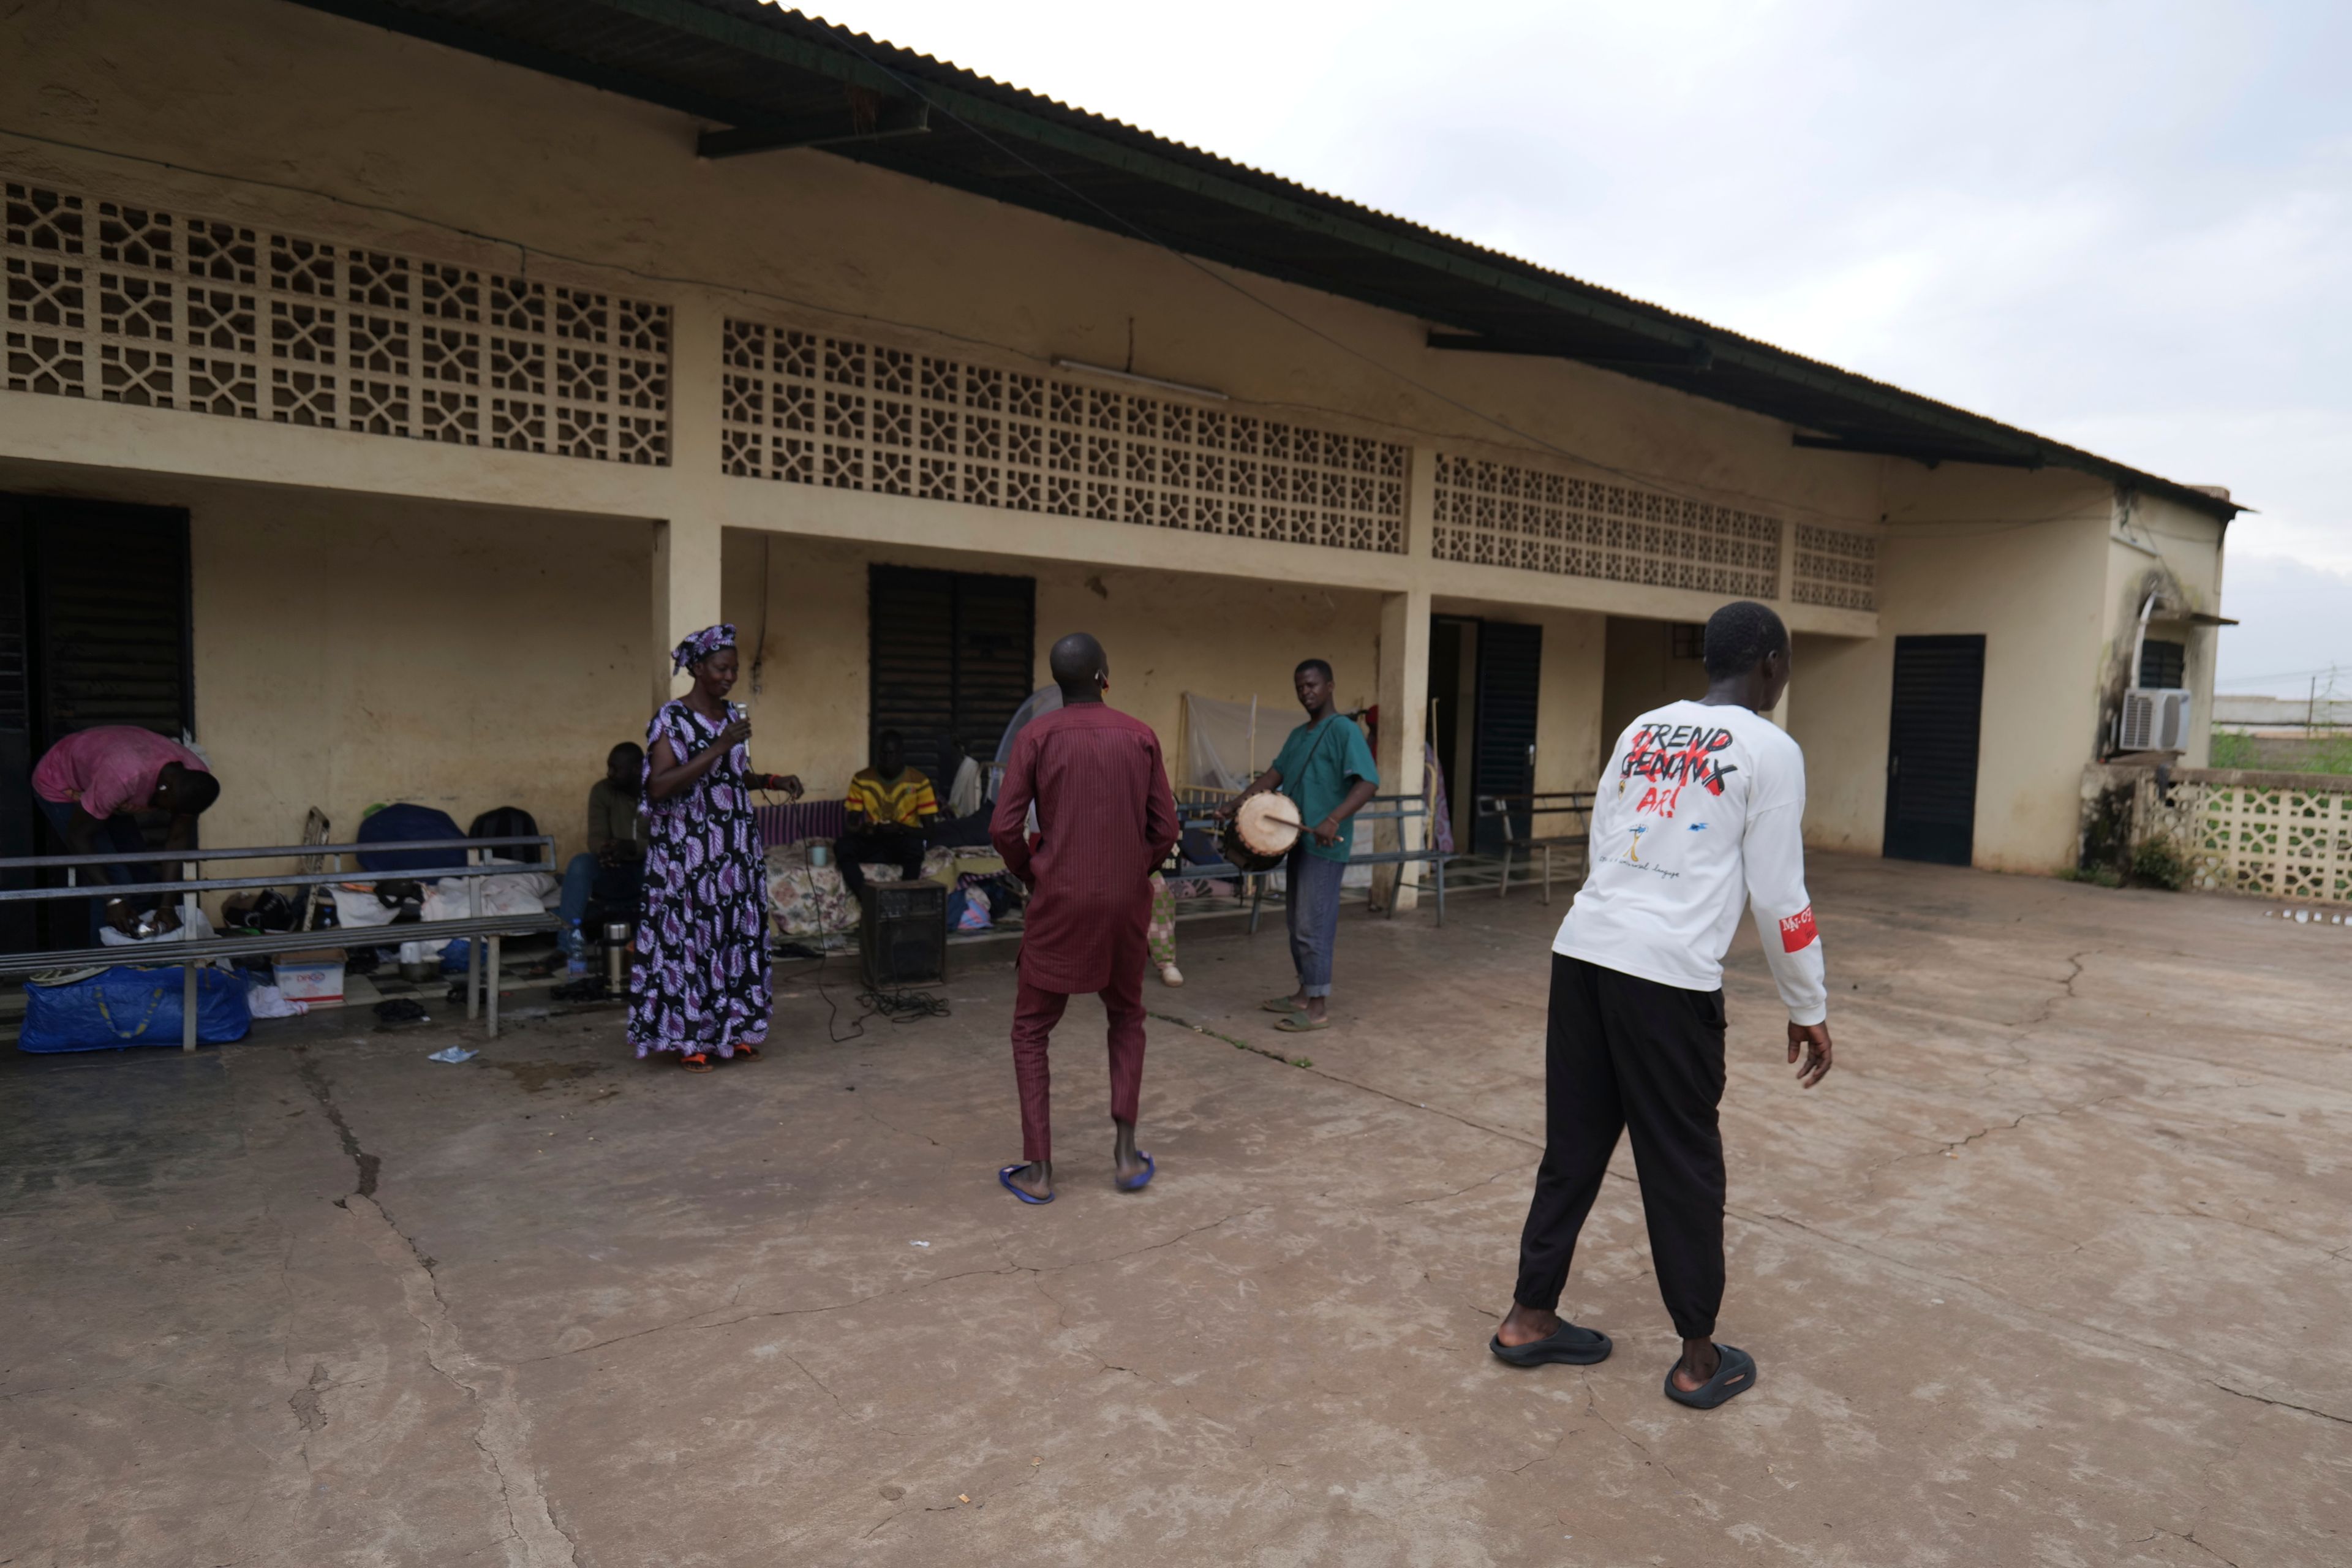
(702, 644)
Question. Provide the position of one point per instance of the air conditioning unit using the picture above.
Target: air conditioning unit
(2154, 721)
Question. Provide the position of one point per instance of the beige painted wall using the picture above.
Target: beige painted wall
(1965, 560)
(1571, 742)
(1642, 674)
(1166, 634)
(352, 651)
(2163, 546)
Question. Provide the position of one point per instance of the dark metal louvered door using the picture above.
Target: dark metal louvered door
(1931, 749)
(952, 655)
(910, 635)
(19, 834)
(94, 630)
(996, 657)
(1510, 673)
(110, 602)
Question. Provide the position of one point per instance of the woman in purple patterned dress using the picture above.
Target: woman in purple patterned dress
(700, 984)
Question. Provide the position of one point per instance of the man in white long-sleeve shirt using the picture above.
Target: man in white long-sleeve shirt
(1700, 811)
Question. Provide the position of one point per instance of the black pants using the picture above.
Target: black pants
(1621, 1054)
(879, 842)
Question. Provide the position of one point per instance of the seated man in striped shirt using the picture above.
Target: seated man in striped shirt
(890, 807)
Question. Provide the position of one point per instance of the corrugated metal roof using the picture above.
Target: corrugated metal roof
(759, 69)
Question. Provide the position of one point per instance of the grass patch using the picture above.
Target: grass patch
(2284, 754)
(2157, 864)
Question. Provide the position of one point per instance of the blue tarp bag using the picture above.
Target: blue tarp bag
(119, 1007)
(408, 824)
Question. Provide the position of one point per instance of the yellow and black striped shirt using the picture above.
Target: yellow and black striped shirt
(905, 801)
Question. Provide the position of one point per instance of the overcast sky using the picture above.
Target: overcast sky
(2124, 225)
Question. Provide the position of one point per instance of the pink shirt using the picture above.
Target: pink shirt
(110, 769)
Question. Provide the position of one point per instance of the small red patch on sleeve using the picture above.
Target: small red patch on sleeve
(1797, 931)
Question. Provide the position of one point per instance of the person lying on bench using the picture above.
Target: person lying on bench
(890, 805)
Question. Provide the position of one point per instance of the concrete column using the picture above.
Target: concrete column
(685, 592)
(686, 548)
(1404, 684)
(1404, 720)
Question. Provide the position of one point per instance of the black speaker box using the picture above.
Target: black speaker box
(904, 934)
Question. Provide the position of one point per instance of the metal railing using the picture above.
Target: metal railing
(1527, 807)
(1201, 813)
(189, 952)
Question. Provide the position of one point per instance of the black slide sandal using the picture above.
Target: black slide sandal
(1734, 1374)
(1567, 1345)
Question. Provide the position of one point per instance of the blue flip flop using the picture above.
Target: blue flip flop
(1136, 1184)
(1004, 1178)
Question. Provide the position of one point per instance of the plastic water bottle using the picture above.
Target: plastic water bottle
(575, 949)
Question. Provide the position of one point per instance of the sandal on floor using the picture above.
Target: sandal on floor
(1136, 1184)
(1734, 1375)
(1300, 1023)
(697, 1062)
(1279, 1004)
(749, 1053)
(1004, 1178)
(1567, 1345)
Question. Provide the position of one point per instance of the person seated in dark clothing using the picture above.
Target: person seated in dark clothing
(890, 807)
(92, 785)
(613, 871)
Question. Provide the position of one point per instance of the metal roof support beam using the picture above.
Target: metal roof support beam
(836, 127)
(1918, 453)
(512, 51)
(1696, 356)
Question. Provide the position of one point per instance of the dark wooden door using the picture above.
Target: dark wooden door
(1931, 749)
(1510, 674)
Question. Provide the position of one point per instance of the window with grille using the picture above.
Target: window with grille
(2164, 666)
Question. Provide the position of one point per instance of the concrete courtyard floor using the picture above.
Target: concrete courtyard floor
(2056, 1267)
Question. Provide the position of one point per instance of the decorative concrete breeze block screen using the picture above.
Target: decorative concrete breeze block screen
(168, 310)
(2271, 840)
(812, 409)
(1497, 514)
(1835, 568)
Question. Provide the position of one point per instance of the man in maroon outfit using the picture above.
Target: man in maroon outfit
(1106, 817)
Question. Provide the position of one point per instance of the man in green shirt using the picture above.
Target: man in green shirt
(1325, 767)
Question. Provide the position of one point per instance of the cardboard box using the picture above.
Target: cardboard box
(316, 976)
